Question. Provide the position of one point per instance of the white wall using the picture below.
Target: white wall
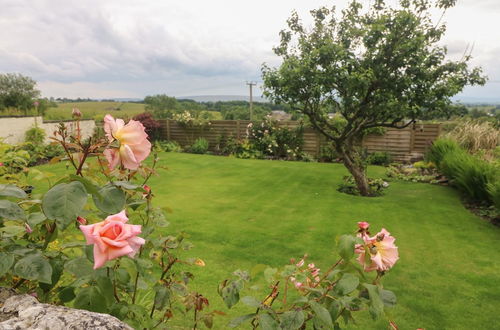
(12, 129)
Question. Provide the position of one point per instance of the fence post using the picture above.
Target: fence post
(168, 129)
(238, 129)
(318, 144)
(412, 138)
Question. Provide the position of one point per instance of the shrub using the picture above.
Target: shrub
(168, 146)
(470, 174)
(328, 153)
(474, 136)
(377, 186)
(439, 149)
(35, 135)
(379, 158)
(200, 146)
(150, 124)
(275, 141)
(494, 191)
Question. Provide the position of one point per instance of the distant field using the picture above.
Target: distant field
(94, 110)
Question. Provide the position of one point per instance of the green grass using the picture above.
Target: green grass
(94, 110)
(240, 213)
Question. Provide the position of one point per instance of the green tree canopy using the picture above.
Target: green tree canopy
(17, 91)
(161, 105)
(379, 67)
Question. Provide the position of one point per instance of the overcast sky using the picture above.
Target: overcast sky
(131, 48)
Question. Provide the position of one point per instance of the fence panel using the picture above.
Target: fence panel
(403, 144)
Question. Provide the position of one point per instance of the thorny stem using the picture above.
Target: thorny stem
(115, 293)
(155, 161)
(170, 264)
(136, 279)
(70, 156)
(328, 272)
(102, 169)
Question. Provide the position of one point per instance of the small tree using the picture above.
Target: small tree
(17, 91)
(376, 68)
(162, 105)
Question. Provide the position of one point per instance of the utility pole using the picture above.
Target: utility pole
(250, 85)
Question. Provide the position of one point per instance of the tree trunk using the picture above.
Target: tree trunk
(355, 166)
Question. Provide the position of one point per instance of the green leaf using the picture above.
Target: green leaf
(106, 287)
(34, 267)
(335, 308)
(127, 185)
(376, 305)
(267, 322)
(11, 231)
(89, 186)
(57, 265)
(9, 190)
(35, 218)
(91, 299)
(269, 274)
(239, 320)
(322, 314)
(6, 262)
(162, 297)
(231, 293)
(347, 284)
(119, 310)
(122, 275)
(11, 211)
(292, 320)
(66, 294)
(250, 301)
(112, 201)
(346, 247)
(79, 267)
(388, 298)
(64, 202)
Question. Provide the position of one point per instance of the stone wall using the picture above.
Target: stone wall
(12, 129)
(25, 312)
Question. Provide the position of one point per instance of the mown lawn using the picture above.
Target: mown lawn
(240, 213)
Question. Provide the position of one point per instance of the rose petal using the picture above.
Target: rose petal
(87, 232)
(114, 253)
(122, 217)
(132, 133)
(113, 157)
(127, 157)
(100, 257)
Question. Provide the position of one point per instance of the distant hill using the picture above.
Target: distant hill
(215, 98)
(477, 100)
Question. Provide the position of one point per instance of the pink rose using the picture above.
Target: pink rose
(383, 252)
(112, 238)
(363, 225)
(134, 144)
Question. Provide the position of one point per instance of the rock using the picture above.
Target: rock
(25, 312)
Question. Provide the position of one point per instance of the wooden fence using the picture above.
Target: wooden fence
(403, 144)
